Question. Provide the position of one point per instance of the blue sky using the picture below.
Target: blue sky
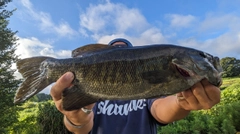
(54, 28)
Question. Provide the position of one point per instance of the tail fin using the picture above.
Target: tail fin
(35, 78)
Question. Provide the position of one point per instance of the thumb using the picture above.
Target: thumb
(63, 82)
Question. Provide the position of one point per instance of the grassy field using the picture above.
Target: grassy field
(229, 81)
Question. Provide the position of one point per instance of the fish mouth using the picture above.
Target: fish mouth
(183, 72)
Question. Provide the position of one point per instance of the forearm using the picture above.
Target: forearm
(86, 126)
(167, 110)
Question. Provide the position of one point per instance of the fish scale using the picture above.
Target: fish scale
(105, 72)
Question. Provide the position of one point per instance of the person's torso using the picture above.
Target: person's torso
(124, 117)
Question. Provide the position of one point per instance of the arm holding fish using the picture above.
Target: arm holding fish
(202, 95)
(76, 117)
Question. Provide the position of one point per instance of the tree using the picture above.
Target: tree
(40, 97)
(8, 83)
(231, 66)
(43, 97)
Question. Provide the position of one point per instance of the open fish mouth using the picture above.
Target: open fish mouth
(183, 72)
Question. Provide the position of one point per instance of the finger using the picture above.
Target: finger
(58, 105)
(188, 95)
(180, 96)
(199, 92)
(62, 83)
(191, 99)
(213, 92)
(182, 102)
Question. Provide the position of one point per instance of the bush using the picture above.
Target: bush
(39, 118)
(220, 119)
(50, 120)
(231, 94)
(27, 120)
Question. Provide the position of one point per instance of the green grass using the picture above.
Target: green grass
(229, 81)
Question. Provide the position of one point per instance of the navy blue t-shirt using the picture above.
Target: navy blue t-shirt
(124, 117)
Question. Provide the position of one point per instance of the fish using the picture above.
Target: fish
(103, 72)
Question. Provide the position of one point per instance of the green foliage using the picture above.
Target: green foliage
(4, 2)
(50, 119)
(231, 94)
(229, 81)
(223, 118)
(8, 83)
(43, 97)
(231, 66)
(39, 118)
(27, 123)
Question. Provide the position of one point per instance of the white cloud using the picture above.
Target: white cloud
(63, 29)
(150, 36)
(107, 21)
(225, 29)
(29, 47)
(181, 21)
(114, 17)
(153, 36)
(129, 19)
(45, 22)
(218, 22)
(27, 4)
(225, 45)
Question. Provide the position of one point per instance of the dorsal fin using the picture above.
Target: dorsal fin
(89, 48)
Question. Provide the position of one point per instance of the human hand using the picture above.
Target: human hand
(202, 95)
(77, 117)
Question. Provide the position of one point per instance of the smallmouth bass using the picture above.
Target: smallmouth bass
(105, 72)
